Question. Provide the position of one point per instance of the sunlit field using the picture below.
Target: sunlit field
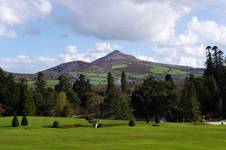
(116, 135)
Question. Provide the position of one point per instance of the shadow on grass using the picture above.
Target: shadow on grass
(8, 127)
(84, 126)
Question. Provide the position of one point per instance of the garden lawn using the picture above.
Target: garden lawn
(169, 136)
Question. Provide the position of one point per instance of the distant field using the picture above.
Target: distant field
(119, 66)
(96, 78)
(167, 70)
(169, 136)
(49, 83)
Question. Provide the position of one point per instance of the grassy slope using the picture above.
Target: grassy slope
(142, 137)
(119, 66)
(167, 70)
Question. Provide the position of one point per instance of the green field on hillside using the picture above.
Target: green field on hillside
(49, 83)
(168, 136)
(119, 66)
(167, 70)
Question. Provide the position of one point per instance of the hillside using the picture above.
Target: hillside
(116, 62)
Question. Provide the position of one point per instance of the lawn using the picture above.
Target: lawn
(169, 136)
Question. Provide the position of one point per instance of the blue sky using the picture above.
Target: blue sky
(38, 34)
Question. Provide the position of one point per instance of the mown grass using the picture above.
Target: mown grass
(169, 136)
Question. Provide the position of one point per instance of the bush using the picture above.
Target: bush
(67, 111)
(132, 123)
(15, 122)
(88, 118)
(157, 119)
(100, 125)
(24, 121)
(56, 124)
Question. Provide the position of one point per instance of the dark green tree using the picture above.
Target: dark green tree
(189, 101)
(24, 121)
(153, 98)
(115, 107)
(40, 83)
(40, 93)
(15, 122)
(82, 87)
(64, 84)
(124, 85)
(9, 93)
(110, 83)
(26, 102)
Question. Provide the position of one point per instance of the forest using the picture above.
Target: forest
(199, 98)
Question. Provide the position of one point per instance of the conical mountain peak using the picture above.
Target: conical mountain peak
(115, 56)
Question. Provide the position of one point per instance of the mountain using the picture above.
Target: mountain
(115, 56)
(116, 62)
(68, 67)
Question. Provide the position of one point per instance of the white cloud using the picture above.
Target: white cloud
(101, 49)
(188, 55)
(123, 19)
(188, 61)
(71, 49)
(146, 58)
(13, 13)
(71, 53)
(105, 47)
(208, 30)
(26, 64)
(47, 61)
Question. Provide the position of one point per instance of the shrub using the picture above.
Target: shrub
(132, 123)
(88, 118)
(24, 121)
(157, 119)
(100, 125)
(56, 124)
(147, 119)
(15, 122)
(67, 111)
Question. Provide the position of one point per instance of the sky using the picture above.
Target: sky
(39, 34)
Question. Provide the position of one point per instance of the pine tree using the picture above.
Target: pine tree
(115, 107)
(189, 103)
(124, 82)
(82, 87)
(40, 83)
(209, 62)
(64, 84)
(26, 102)
(39, 94)
(110, 83)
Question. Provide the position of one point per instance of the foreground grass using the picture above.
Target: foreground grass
(142, 137)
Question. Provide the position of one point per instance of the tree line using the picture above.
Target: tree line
(200, 97)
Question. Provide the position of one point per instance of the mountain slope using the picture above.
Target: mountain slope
(115, 56)
(116, 62)
(68, 67)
